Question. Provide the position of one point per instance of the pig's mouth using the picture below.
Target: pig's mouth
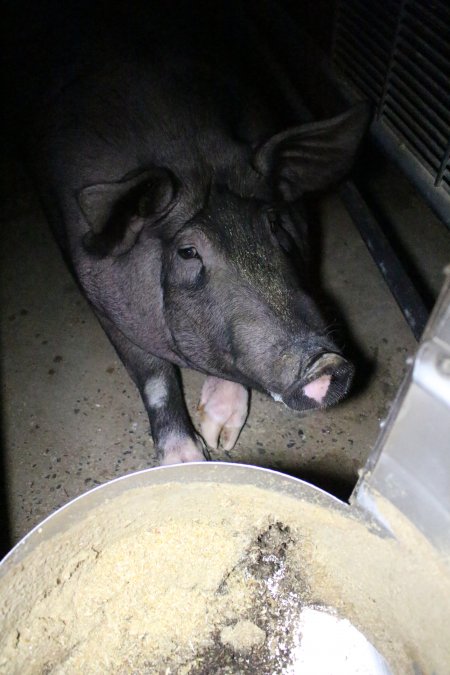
(326, 380)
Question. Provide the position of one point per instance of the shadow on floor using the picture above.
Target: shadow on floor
(335, 485)
(5, 531)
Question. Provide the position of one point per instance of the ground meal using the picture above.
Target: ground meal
(212, 578)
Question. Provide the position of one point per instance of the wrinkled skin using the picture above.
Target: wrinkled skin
(188, 238)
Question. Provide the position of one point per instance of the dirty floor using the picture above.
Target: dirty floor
(72, 418)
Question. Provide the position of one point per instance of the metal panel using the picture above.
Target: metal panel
(397, 53)
(410, 465)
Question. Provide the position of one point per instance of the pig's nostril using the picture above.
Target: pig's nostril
(340, 382)
(317, 389)
(322, 362)
(324, 382)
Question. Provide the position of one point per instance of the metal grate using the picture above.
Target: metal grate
(397, 53)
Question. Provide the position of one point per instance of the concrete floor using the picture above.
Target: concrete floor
(72, 419)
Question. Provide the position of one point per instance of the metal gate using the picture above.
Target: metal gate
(397, 53)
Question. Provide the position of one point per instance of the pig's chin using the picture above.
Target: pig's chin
(319, 392)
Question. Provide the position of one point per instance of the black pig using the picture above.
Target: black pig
(186, 236)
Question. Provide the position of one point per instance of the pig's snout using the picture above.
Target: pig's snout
(324, 381)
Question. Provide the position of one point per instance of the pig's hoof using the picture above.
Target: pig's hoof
(223, 409)
(178, 449)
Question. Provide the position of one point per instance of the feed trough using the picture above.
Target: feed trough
(203, 568)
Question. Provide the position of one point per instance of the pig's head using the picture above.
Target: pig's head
(220, 250)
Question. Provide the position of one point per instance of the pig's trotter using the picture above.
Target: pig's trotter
(159, 384)
(173, 433)
(223, 409)
(178, 450)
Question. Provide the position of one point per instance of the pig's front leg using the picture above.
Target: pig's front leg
(223, 410)
(173, 433)
(159, 384)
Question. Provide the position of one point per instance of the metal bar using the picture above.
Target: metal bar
(426, 17)
(443, 7)
(371, 18)
(361, 62)
(335, 24)
(444, 165)
(401, 128)
(427, 28)
(421, 67)
(413, 129)
(380, 107)
(402, 78)
(437, 197)
(374, 60)
(416, 114)
(379, 42)
(435, 60)
(368, 88)
(383, 14)
(402, 289)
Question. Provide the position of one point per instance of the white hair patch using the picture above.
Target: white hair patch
(156, 392)
(276, 397)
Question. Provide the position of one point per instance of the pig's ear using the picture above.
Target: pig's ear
(313, 156)
(118, 211)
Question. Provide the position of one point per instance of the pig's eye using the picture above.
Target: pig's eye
(273, 219)
(278, 229)
(188, 252)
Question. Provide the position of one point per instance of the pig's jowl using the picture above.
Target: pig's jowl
(185, 233)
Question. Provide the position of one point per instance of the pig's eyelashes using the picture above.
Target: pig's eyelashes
(272, 217)
(277, 228)
(188, 252)
(189, 275)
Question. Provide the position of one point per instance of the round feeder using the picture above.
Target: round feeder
(212, 567)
